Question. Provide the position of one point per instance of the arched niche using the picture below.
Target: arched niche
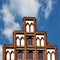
(42, 42)
(7, 56)
(22, 41)
(53, 56)
(31, 28)
(18, 42)
(12, 55)
(27, 27)
(48, 56)
(38, 42)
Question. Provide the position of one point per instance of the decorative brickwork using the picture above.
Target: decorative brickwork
(29, 44)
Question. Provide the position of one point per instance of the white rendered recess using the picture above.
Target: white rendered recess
(50, 54)
(9, 54)
(20, 40)
(9, 50)
(29, 22)
(29, 26)
(53, 56)
(40, 42)
(12, 56)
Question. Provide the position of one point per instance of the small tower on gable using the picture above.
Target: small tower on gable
(29, 44)
(29, 24)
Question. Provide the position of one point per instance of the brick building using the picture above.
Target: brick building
(29, 44)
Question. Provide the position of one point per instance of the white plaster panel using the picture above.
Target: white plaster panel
(50, 50)
(12, 56)
(19, 35)
(7, 56)
(40, 36)
(29, 22)
(22, 42)
(32, 28)
(42, 42)
(27, 28)
(10, 50)
(53, 56)
(38, 42)
(18, 42)
(48, 56)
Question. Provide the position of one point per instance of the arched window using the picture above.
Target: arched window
(12, 56)
(27, 27)
(22, 42)
(8, 56)
(18, 42)
(31, 28)
(42, 42)
(48, 56)
(38, 42)
(53, 56)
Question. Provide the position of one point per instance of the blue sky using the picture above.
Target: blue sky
(47, 13)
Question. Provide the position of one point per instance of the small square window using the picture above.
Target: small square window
(29, 41)
(40, 55)
(20, 56)
(30, 56)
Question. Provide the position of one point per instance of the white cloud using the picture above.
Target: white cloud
(9, 22)
(7, 16)
(31, 7)
(0, 16)
(48, 8)
(0, 52)
(25, 7)
(22, 8)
